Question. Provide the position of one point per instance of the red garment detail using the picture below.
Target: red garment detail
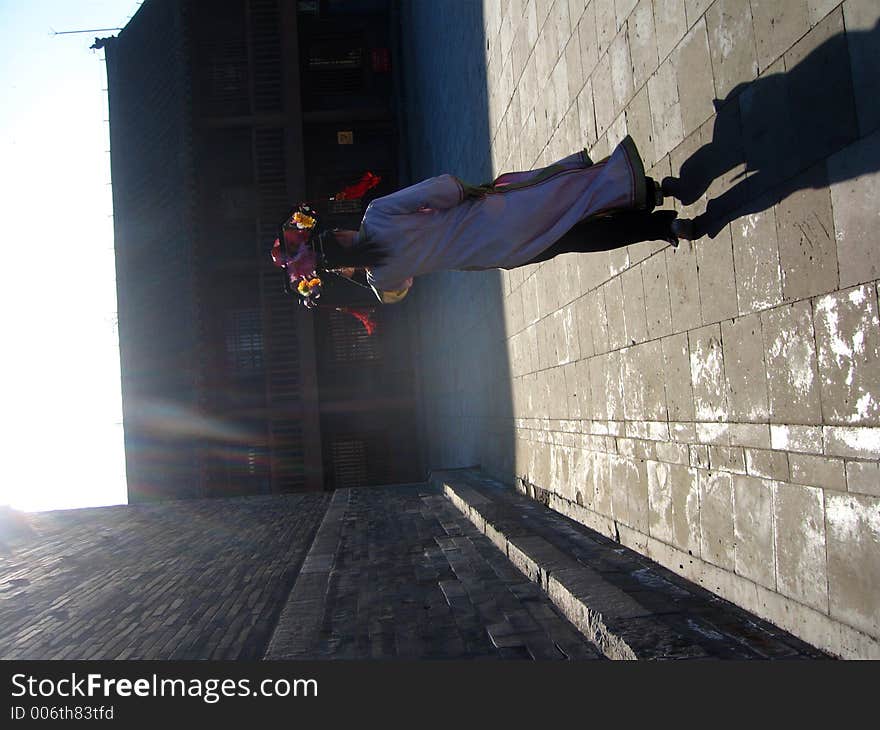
(367, 182)
(362, 315)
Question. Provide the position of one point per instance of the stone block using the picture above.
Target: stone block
(790, 355)
(800, 439)
(695, 8)
(727, 458)
(848, 342)
(855, 189)
(861, 17)
(677, 375)
(660, 523)
(716, 276)
(670, 23)
(606, 24)
(671, 452)
(753, 529)
(807, 250)
(620, 472)
(817, 471)
(586, 36)
(818, 67)
(614, 386)
(777, 27)
(613, 293)
(852, 441)
(799, 516)
(716, 518)
(693, 69)
(587, 115)
(639, 125)
(754, 435)
(744, 369)
(713, 432)
(598, 320)
(767, 464)
(634, 314)
(756, 261)
(707, 374)
(623, 9)
(731, 44)
(854, 559)
(621, 71)
(644, 395)
(863, 477)
(657, 311)
(642, 42)
(596, 366)
(684, 287)
(665, 108)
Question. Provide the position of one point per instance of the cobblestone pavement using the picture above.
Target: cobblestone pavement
(716, 406)
(198, 579)
(398, 572)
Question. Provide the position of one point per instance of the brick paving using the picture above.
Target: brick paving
(201, 579)
(398, 572)
(715, 405)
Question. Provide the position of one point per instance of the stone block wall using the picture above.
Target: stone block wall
(715, 406)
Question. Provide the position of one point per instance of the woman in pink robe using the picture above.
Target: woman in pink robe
(521, 218)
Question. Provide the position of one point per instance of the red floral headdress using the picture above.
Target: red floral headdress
(294, 251)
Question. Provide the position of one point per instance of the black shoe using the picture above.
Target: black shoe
(683, 228)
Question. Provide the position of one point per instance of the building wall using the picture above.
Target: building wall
(217, 112)
(153, 201)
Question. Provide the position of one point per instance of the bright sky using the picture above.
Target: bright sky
(60, 403)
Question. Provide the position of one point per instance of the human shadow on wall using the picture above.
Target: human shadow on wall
(773, 134)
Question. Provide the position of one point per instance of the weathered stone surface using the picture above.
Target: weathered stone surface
(790, 355)
(684, 287)
(756, 261)
(807, 251)
(716, 518)
(855, 188)
(717, 279)
(670, 22)
(639, 124)
(634, 315)
(655, 279)
(677, 376)
(854, 559)
(707, 373)
(665, 108)
(732, 44)
(777, 27)
(753, 530)
(767, 464)
(693, 70)
(817, 471)
(744, 368)
(848, 343)
(861, 17)
(799, 515)
(863, 477)
(642, 42)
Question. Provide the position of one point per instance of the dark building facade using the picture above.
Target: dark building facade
(223, 115)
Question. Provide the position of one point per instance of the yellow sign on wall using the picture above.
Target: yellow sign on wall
(345, 137)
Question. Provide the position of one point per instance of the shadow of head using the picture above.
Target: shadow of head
(789, 130)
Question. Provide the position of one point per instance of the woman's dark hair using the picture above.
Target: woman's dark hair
(366, 253)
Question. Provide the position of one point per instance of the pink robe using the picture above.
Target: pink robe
(433, 226)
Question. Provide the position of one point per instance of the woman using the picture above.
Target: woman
(522, 218)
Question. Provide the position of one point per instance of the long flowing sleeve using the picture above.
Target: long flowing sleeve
(441, 192)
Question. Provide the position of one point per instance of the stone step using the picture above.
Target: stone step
(627, 605)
